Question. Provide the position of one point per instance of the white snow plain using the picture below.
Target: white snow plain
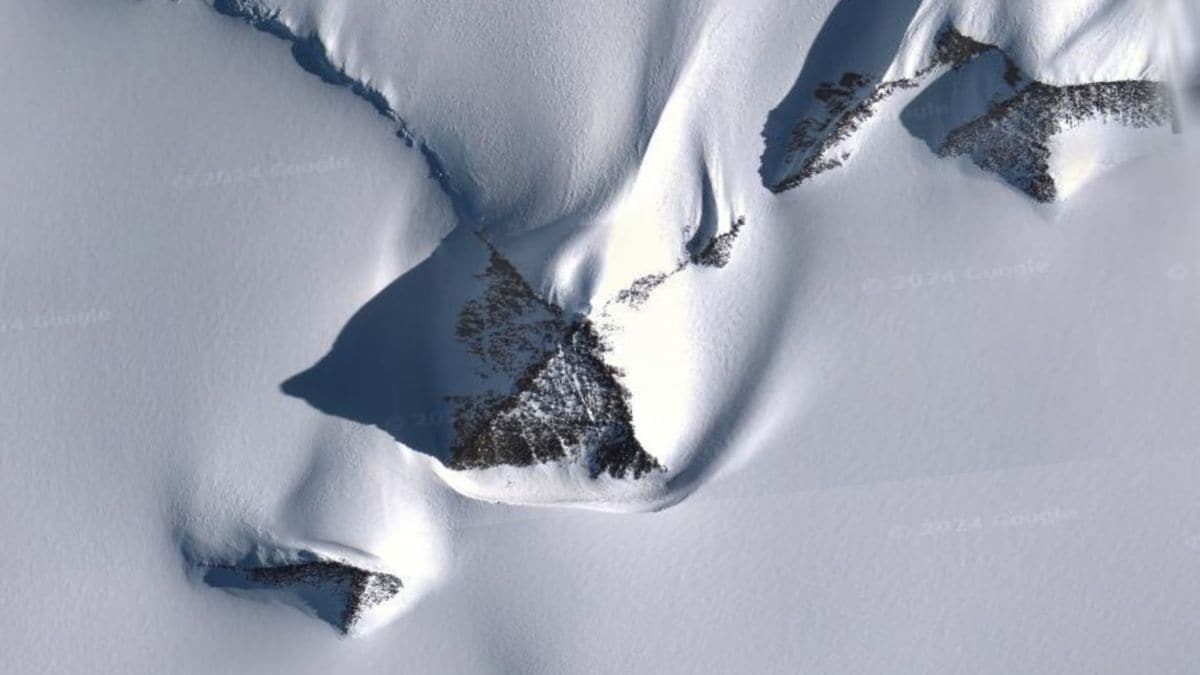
(919, 423)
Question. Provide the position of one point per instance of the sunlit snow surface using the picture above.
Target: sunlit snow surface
(918, 422)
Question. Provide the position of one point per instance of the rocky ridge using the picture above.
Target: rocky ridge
(1011, 139)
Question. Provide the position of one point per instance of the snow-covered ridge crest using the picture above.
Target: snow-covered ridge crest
(1056, 42)
(574, 162)
(530, 131)
(317, 54)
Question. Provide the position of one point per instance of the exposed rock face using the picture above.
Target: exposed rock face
(814, 144)
(639, 291)
(508, 328)
(566, 402)
(817, 142)
(1009, 139)
(716, 253)
(570, 405)
(339, 592)
(718, 250)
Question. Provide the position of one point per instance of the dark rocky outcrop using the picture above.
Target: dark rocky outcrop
(639, 291)
(566, 403)
(336, 591)
(720, 247)
(848, 104)
(715, 253)
(508, 327)
(844, 106)
(569, 406)
(1010, 138)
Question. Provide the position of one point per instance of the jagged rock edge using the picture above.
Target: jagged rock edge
(815, 140)
(366, 588)
(311, 54)
(716, 253)
(483, 429)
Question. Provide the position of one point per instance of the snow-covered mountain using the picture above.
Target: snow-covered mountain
(883, 308)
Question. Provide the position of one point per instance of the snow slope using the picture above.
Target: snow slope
(922, 423)
(1059, 43)
(648, 183)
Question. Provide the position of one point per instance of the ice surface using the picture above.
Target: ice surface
(917, 422)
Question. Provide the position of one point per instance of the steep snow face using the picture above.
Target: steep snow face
(527, 123)
(1055, 42)
(604, 129)
(469, 96)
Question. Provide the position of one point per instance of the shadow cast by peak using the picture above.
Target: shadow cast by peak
(325, 603)
(860, 37)
(462, 360)
(960, 96)
(309, 51)
(397, 360)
